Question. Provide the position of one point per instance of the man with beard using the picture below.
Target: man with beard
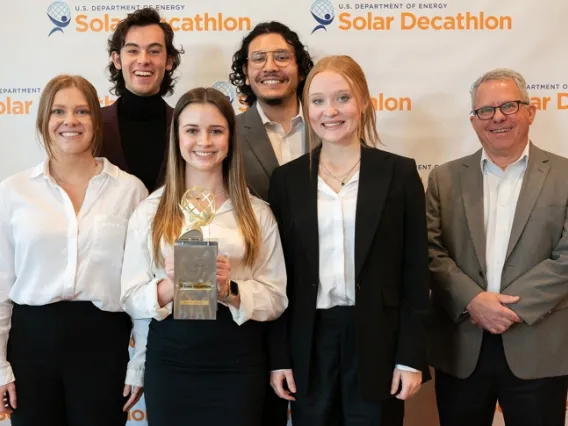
(269, 70)
(136, 126)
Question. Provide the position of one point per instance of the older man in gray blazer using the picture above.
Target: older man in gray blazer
(498, 245)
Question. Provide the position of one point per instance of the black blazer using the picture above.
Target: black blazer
(391, 269)
(111, 147)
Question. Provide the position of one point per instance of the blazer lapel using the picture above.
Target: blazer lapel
(535, 175)
(257, 138)
(112, 145)
(304, 192)
(375, 175)
(471, 181)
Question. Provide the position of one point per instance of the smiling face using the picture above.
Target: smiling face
(70, 126)
(333, 111)
(272, 82)
(143, 59)
(503, 135)
(203, 137)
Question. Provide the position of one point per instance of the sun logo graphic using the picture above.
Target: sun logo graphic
(323, 13)
(60, 14)
(226, 89)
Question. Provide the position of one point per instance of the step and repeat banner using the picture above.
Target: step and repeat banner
(420, 59)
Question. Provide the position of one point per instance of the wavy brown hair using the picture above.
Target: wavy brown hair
(142, 18)
(168, 221)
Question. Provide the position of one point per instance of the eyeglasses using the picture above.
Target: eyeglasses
(281, 57)
(508, 108)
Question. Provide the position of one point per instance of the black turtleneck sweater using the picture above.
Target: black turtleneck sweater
(142, 124)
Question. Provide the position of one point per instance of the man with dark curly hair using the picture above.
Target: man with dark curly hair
(269, 71)
(136, 126)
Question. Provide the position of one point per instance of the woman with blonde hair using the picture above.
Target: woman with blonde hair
(205, 372)
(64, 338)
(351, 346)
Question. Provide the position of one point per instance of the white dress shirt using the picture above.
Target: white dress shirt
(336, 233)
(287, 146)
(336, 229)
(501, 189)
(262, 287)
(49, 254)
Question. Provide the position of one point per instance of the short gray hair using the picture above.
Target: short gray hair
(501, 74)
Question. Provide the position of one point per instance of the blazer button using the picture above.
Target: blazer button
(358, 285)
(314, 285)
(481, 274)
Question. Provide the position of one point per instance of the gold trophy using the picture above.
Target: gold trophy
(195, 259)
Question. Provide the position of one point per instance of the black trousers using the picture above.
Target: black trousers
(69, 360)
(472, 401)
(334, 398)
(275, 409)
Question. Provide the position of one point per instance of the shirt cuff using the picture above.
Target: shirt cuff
(135, 377)
(158, 312)
(246, 309)
(406, 368)
(6, 374)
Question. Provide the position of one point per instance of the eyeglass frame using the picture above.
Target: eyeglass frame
(271, 52)
(518, 102)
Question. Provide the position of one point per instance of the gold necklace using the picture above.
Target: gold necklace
(341, 179)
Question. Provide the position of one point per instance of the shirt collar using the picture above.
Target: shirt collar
(266, 120)
(228, 204)
(42, 169)
(324, 187)
(523, 158)
(225, 207)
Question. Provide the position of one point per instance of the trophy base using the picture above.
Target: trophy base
(195, 280)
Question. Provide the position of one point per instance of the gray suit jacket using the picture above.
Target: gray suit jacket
(536, 266)
(258, 154)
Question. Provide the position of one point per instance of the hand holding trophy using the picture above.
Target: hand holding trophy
(195, 265)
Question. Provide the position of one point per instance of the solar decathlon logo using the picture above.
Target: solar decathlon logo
(226, 89)
(323, 13)
(60, 14)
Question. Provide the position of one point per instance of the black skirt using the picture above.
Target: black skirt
(205, 373)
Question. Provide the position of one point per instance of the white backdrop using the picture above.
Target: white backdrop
(420, 60)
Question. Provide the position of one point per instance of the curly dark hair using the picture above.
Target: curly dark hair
(142, 18)
(303, 59)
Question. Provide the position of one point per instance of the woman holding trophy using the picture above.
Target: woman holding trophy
(63, 335)
(205, 371)
(351, 346)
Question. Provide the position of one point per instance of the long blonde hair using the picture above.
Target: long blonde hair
(350, 70)
(168, 221)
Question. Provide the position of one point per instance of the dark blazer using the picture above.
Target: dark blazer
(258, 155)
(391, 269)
(111, 147)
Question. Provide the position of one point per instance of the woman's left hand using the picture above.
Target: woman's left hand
(223, 275)
(135, 393)
(408, 381)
